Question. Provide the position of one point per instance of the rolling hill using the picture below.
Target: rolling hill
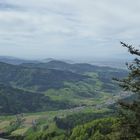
(55, 95)
(15, 61)
(15, 101)
(40, 79)
(55, 85)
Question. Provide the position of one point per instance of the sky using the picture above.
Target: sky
(68, 29)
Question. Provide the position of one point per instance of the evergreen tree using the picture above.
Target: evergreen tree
(130, 110)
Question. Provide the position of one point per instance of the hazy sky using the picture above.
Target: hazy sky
(76, 29)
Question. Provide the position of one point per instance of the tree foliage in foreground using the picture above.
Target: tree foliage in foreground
(130, 110)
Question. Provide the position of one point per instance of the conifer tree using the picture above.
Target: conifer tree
(130, 110)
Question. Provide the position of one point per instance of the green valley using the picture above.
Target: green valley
(41, 101)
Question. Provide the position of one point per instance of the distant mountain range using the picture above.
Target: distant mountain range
(53, 85)
(115, 63)
(14, 60)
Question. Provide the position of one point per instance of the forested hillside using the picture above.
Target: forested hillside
(65, 100)
(15, 101)
(42, 79)
(54, 85)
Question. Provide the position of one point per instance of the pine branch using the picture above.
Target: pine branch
(131, 49)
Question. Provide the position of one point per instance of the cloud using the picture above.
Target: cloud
(68, 28)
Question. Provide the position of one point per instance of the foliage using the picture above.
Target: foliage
(101, 129)
(130, 110)
(75, 119)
